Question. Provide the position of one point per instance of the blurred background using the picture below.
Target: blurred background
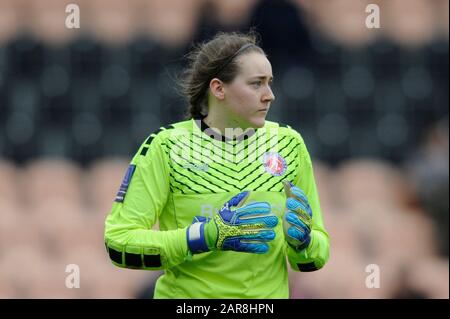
(371, 104)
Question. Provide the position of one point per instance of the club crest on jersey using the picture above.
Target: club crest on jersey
(274, 163)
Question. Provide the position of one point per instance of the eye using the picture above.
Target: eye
(256, 83)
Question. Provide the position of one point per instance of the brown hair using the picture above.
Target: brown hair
(215, 58)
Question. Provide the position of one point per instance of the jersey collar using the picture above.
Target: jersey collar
(219, 137)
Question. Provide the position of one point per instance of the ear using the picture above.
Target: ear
(217, 88)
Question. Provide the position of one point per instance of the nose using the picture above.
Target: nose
(268, 95)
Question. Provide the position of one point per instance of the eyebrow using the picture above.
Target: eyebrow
(262, 77)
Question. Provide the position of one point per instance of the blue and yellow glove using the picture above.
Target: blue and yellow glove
(247, 228)
(297, 218)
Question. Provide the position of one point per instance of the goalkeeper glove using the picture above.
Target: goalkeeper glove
(297, 218)
(247, 228)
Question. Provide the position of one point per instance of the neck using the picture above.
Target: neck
(224, 126)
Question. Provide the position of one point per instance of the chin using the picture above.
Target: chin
(258, 123)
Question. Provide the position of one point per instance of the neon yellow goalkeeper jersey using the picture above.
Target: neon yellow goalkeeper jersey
(185, 170)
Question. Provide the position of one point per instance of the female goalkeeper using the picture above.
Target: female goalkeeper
(234, 194)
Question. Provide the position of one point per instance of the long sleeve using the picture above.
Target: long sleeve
(316, 254)
(129, 239)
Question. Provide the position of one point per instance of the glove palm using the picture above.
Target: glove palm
(297, 219)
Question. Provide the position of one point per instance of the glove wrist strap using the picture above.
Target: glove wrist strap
(196, 240)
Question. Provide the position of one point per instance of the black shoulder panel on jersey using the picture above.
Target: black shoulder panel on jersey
(150, 138)
(284, 125)
(144, 151)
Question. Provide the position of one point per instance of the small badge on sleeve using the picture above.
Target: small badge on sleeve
(125, 183)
